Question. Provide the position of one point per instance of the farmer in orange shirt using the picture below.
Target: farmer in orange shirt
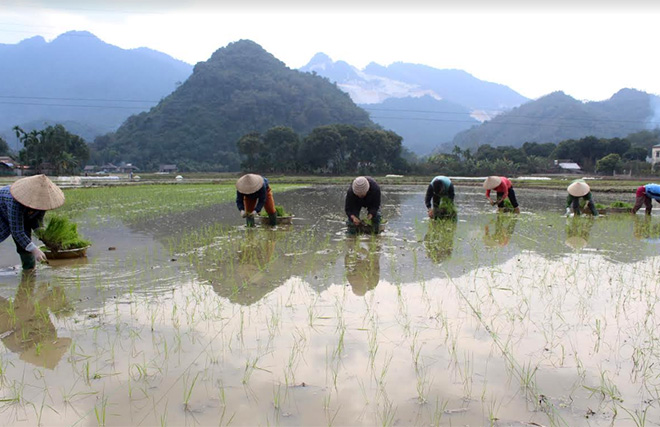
(252, 194)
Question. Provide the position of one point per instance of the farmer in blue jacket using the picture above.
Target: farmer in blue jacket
(22, 208)
(439, 190)
(644, 195)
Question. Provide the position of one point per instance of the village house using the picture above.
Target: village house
(167, 169)
(8, 166)
(567, 166)
(655, 155)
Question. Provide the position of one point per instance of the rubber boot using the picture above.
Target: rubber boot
(27, 260)
(516, 210)
(273, 219)
(351, 228)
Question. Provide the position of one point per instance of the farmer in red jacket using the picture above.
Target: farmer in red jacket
(502, 186)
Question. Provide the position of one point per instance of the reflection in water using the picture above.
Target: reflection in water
(247, 270)
(439, 239)
(644, 228)
(499, 230)
(244, 265)
(25, 324)
(362, 263)
(578, 230)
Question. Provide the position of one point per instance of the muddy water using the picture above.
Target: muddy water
(193, 319)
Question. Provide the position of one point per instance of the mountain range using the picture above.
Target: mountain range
(426, 106)
(557, 117)
(435, 110)
(92, 87)
(77, 80)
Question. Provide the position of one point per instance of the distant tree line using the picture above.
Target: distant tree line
(595, 155)
(52, 150)
(347, 149)
(333, 149)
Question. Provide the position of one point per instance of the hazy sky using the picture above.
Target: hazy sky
(588, 49)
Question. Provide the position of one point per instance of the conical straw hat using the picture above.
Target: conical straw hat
(37, 192)
(492, 182)
(578, 189)
(250, 183)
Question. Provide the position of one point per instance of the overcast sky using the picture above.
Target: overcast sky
(588, 49)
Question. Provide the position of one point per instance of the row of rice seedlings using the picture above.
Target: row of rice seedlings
(144, 202)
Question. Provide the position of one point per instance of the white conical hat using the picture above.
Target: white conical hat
(37, 192)
(360, 186)
(250, 183)
(492, 182)
(578, 189)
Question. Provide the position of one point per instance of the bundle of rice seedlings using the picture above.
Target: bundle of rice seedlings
(279, 211)
(619, 204)
(445, 210)
(508, 206)
(61, 234)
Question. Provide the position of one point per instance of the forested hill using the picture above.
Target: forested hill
(82, 82)
(558, 117)
(240, 89)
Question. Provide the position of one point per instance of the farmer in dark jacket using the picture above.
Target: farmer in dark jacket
(440, 188)
(364, 192)
(22, 208)
(253, 194)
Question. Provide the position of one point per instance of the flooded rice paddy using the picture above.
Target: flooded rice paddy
(185, 317)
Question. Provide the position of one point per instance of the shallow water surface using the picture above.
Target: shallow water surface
(191, 318)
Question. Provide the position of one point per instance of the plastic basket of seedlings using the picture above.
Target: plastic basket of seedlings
(283, 217)
(61, 239)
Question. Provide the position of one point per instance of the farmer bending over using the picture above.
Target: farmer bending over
(440, 188)
(645, 194)
(579, 189)
(23, 205)
(252, 194)
(504, 189)
(364, 192)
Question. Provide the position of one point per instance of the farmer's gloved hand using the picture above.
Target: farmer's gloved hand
(568, 211)
(243, 214)
(39, 256)
(254, 213)
(355, 220)
(431, 213)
